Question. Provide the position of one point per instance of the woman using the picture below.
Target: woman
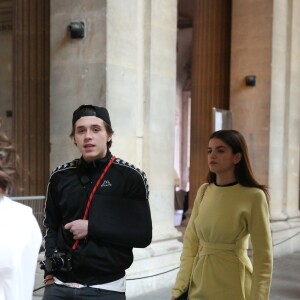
(228, 210)
(20, 234)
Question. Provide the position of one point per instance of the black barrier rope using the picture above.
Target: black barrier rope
(168, 271)
(281, 242)
(41, 287)
(289, 238)
(153, 274)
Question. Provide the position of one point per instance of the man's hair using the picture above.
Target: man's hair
(91, 110)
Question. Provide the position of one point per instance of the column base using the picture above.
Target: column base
(144, 275)
(286, 236)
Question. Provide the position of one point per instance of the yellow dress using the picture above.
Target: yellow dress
(214, 260)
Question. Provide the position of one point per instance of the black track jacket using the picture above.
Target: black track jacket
(119, 218)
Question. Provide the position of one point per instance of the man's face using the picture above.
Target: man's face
(91, 137)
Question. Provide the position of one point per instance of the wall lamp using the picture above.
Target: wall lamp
(250, 80)
(77, 29)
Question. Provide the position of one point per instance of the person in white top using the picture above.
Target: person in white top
(20, 235)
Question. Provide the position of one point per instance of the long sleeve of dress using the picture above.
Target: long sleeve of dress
(190, 249)
(259, 228)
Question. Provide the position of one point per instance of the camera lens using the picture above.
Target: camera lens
(57, 262)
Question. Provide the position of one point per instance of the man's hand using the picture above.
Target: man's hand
(48, 279)
(79, 228)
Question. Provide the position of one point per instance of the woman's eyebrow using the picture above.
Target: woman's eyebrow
(217, 147)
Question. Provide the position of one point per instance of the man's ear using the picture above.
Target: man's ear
(237, 158)
(74, 141)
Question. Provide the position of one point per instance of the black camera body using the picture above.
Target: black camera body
(58, 261)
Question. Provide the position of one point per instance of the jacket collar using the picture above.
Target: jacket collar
(96, 164)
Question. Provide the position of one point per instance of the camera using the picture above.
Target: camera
(58, 261)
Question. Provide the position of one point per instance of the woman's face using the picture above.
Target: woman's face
(221, 160)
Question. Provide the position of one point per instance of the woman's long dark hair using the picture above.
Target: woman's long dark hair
(243, 170)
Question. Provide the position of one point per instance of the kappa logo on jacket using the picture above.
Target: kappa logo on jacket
(106, 183)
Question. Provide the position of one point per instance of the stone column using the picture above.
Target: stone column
(78, 70)
(277, 111)
(251, 54)
(141, 95)
(210, 80)
(31, 93)
(284, 114)
(284, 128)
(293, 111)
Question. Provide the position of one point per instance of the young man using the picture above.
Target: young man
(96, 211)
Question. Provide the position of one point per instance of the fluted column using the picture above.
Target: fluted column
(210, 79)
(31, 93)
(284, 113)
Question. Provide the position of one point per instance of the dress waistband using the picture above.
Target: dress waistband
(235, 252)
(211, 248)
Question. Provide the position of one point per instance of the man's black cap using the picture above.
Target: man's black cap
(91, 110)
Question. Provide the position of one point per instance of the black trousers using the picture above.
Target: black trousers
(60, 292)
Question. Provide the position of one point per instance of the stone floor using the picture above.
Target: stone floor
(285, 284)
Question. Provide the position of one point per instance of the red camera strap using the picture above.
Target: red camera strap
(92, 195)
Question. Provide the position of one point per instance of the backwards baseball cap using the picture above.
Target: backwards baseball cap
(86, 110)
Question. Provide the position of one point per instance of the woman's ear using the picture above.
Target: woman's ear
(237, 158)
